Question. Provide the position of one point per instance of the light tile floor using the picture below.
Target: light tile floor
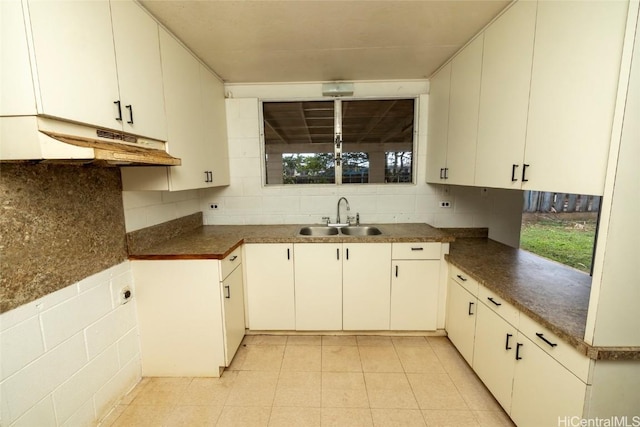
(322, 381)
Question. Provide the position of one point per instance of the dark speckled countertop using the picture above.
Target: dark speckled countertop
(552, 294)
(218, 241)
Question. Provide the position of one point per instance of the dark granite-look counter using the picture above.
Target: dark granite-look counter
(218, 241)
(554, 295)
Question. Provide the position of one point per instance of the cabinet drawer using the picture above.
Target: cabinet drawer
(419, 250)
(498, 305)
(561, 351)
(464, 280)
(230, 262)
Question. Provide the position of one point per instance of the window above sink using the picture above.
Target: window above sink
(339, 141)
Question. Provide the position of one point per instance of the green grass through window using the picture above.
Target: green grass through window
(564, 237)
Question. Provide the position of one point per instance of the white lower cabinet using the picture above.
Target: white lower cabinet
(233, 297)
(462, 308)
(270, 286)
(494, 354)
(537, 378)
(415, 277)
(343, 286)
(188, 327)
(318, 286)
(365, 286)
(544, 391)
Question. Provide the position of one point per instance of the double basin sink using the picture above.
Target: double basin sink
(334, 231)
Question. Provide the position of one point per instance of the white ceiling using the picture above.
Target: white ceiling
(309, 40)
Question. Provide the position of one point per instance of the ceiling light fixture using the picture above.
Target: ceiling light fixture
(337, 89)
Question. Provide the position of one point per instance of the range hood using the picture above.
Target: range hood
(30, 138)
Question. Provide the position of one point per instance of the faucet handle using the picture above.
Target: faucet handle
(326, 219)
(357, 218)
(350, 219)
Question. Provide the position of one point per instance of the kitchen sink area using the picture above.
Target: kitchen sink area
(351, 230)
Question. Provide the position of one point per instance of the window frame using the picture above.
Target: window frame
(338, 169)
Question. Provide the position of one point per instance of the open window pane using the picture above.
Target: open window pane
(380, 131)
(304, 131)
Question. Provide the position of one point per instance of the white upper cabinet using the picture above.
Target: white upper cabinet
(504, 97)
(464, 103)
(438, 128)
(75, 65)
(98, 63)
(17, 95)
(196, 126)
(576, 65)
(137, 48)
(214, 127)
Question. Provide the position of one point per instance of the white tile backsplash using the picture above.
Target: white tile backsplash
(69, 356)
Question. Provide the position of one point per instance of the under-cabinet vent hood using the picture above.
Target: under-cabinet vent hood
(44, 139)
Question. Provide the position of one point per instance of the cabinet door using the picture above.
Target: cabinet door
(233, 297)
(438, 126)
(179, 317)
(461, 319)
(464, 104)
(504, 97)
(214, 124)
(365, 286)
(75, 61)
(17, 97)
(270, 287)
(494, 354)
(135, 35)
(181, 78)
(544, 391)
(318, 273)
(574, 80)
(414, 295)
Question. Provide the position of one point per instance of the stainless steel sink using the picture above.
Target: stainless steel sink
(318, 231)
(360, 231)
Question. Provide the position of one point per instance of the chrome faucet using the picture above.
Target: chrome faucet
(338, 213)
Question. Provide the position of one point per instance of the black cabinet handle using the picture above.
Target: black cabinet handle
(417, 249)
(119, 118)
(513, 173)
(288, 253)
(446, 173)
(493, 301)
(347, 254)
(338, 254)
(524, 172)
(208, 176)
(396, 271)
(130, 108)
(541, 336)
(461, 278)
(518, 345)
(228, 295)
(233, 258)
(441, 173)
(470, 312)
(506, 344)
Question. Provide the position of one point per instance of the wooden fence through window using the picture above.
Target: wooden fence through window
(542, 201)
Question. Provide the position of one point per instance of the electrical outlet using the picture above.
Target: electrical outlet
(213, 206)
(445, 204)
